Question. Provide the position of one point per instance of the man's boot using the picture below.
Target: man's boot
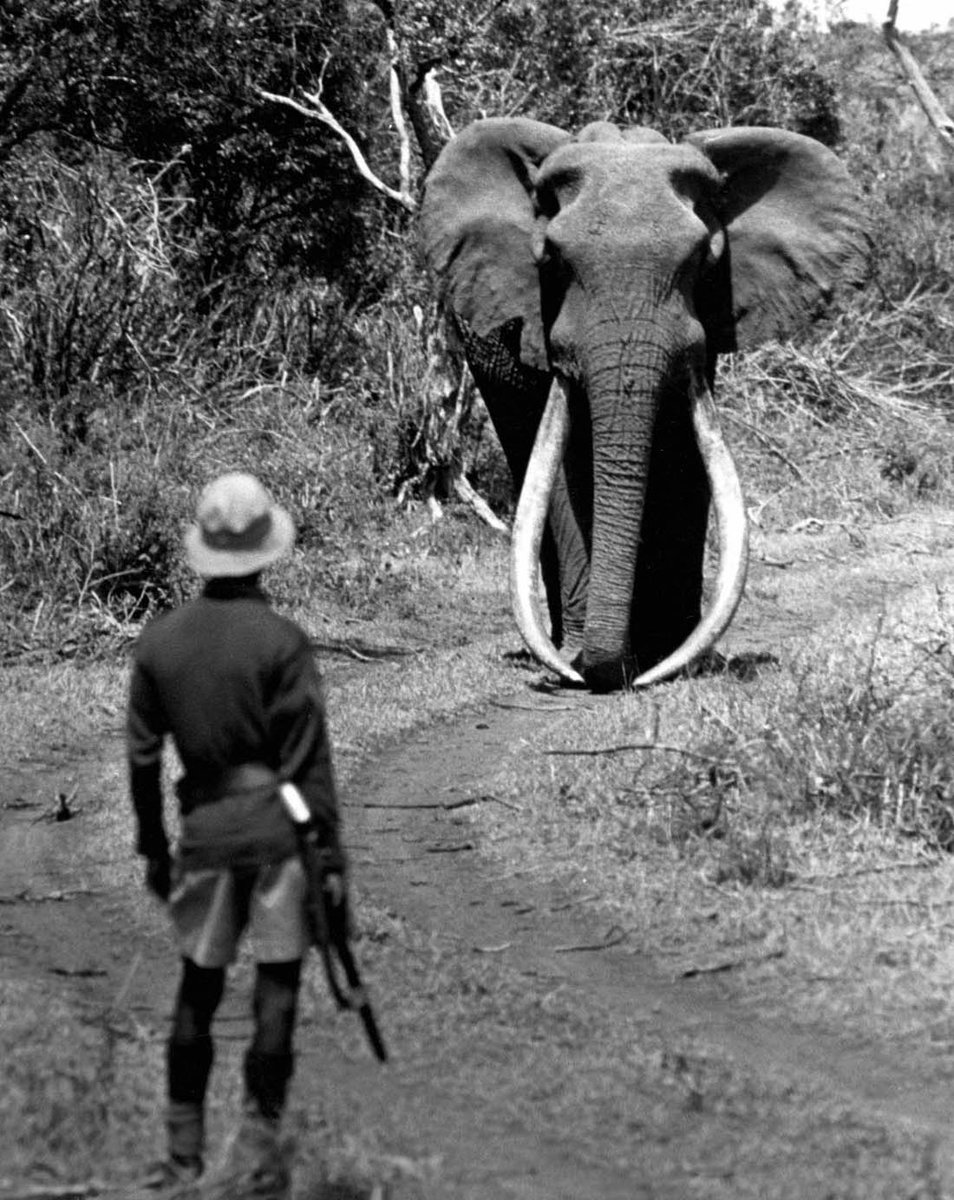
(256, 1161)
(175, 1177)
(188, 1063)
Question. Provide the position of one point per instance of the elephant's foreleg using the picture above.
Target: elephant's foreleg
(571, 517)
(515, 397)
(565, 562)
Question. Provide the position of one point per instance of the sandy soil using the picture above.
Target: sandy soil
(639, 1085)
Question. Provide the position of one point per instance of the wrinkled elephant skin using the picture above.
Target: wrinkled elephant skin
(597, 278)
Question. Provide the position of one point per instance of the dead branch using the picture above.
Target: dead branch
(425, 110)
(66, 1191)
(917, 864)
(934, 111)
(434, 103)
(317, 110)
(423, 103)
(466, 492)
(443, 805)
(627, 746)
(614, 936)
(396, 88)
(769, 443)
(721, 965)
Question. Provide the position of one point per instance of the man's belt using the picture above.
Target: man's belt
(246, 777)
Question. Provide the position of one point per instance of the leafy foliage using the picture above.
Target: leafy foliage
(173, 249)
(677, 65)
(173, 86)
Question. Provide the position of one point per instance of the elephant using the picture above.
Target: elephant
(592, 281)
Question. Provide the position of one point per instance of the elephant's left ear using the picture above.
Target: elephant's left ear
(796, 234)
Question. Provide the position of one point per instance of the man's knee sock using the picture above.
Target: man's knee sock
(189, 1064)
(266, 1082)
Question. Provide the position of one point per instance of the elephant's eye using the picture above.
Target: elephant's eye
(716, 246)
(694, 190)
(715, 234)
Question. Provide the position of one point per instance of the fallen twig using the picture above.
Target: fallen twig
(444, 805)
(465, 490)
(730, 964)
(65, 1191)
(636, 746)
(27, 897)
(916, 864)
(770, 444)
(366, 653)
(614, 935)
(493, 949)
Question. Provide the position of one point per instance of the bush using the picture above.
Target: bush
(173, 89)
(849, 738)
(677, 65)
(89, 298)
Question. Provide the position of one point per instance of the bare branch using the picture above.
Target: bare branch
(466, 492)
(317, 110)
(596, 752)
(942, 123)
(397, 110)
(425, 109)
(434, 103)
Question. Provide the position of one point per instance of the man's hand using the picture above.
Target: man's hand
(159, 877)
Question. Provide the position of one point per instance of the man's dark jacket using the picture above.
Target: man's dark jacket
(234, 684)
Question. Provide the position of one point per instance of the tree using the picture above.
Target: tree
(173, 84)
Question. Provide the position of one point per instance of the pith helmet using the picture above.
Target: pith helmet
(238, 528)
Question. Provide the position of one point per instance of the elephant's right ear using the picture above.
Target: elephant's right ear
(477, 222)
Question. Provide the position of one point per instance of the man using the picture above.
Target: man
(236, 688)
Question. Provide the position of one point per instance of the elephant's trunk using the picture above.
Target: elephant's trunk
(528, 527)
(732, 524)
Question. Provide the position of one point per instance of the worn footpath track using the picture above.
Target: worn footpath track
(421, 855)
(415, 855)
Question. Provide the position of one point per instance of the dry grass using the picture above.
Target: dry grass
(804, 813)
(792, 835)
(808, 810)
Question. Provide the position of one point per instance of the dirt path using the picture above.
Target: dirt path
(609, 1078)
(541, 936)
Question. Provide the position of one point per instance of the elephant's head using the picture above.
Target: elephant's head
(614, 267)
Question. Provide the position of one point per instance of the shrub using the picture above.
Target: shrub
(172, 88)
(677, 65)
(89, 298)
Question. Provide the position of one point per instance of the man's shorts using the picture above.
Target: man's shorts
(211, 909)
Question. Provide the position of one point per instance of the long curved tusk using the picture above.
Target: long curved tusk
(732, 521)
(528, 526)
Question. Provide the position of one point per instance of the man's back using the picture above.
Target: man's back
(216, 668)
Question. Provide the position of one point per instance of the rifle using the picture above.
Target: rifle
(328, 921)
